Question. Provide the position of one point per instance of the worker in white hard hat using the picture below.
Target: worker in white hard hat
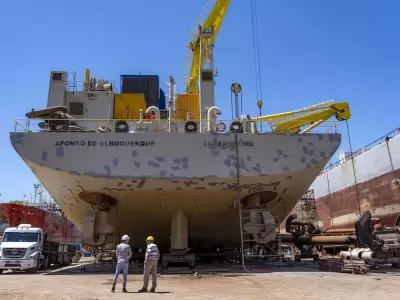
(124, 254)
(150, 266)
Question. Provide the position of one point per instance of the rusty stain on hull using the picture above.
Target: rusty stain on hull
(367, 180)
(376, 195)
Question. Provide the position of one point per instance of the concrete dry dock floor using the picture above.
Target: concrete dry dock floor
(269, 282)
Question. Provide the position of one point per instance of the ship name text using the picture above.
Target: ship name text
(104, 143)
(228, 144)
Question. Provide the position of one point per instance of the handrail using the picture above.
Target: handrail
(79, 86)
(117, 119)
(161, 125)
(362, 150)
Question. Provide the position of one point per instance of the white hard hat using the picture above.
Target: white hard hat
(125, 238)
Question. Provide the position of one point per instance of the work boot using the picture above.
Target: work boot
(124, 290)
(152, 290)
(113, 289)
(142, 290)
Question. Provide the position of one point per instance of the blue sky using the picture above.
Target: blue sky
(310, 51)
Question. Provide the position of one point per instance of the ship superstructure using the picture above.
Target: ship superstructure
(126, 162)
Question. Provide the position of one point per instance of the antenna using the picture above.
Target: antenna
(36, 187)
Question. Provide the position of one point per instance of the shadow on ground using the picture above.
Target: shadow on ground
(226, 270)
(141, 293)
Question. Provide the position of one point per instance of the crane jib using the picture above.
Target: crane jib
(214, 20)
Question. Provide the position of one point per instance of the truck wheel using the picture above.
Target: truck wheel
(1, 271)
(35, 268)
(31, 270)
(46, 263)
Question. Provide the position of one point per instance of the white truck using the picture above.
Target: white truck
(26, 248)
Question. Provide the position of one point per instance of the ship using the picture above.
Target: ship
(368, 179)
(134, 163)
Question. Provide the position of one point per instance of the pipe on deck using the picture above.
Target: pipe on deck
(333, 239)
(339, 231)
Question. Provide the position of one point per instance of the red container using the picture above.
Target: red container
(16, 214)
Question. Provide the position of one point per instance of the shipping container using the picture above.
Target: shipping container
(16, 214)
(162, 100)
(185, 103)
(148, 85)
(128, 106)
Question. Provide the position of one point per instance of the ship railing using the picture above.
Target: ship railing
(375, 143)
(101, 85)
(150, 125)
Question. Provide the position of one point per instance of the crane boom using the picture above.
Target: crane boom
(213, 20)
(315, 115)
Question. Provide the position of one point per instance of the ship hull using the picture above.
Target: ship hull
(151, 176)
(368, 182)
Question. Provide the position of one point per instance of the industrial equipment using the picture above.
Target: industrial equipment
(381, 244)
(313, 116)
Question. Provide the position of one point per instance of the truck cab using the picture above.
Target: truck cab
(21, 248)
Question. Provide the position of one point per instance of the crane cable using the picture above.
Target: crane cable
(254, 47)
(256, 50)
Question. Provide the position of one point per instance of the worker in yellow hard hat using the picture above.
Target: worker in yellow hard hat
(150, 266)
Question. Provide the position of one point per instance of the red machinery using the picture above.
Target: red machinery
(15, 214)
(148, 116)
(48, 217)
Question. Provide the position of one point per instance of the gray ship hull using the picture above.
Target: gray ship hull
(150, 176)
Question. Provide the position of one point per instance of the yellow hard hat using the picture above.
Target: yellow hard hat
(150, 238)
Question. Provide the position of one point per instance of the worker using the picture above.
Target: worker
(123, 254)
(150, 266)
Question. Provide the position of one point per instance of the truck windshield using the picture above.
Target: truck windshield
(20, 237)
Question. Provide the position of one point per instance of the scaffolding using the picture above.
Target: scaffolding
(308, 208)
(58, 227)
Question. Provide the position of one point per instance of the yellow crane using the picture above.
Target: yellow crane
(215, 20)
(287, 122)
(311, 116)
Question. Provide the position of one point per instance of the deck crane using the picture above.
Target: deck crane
(213, 22)
(288, 122)
(313, 116)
